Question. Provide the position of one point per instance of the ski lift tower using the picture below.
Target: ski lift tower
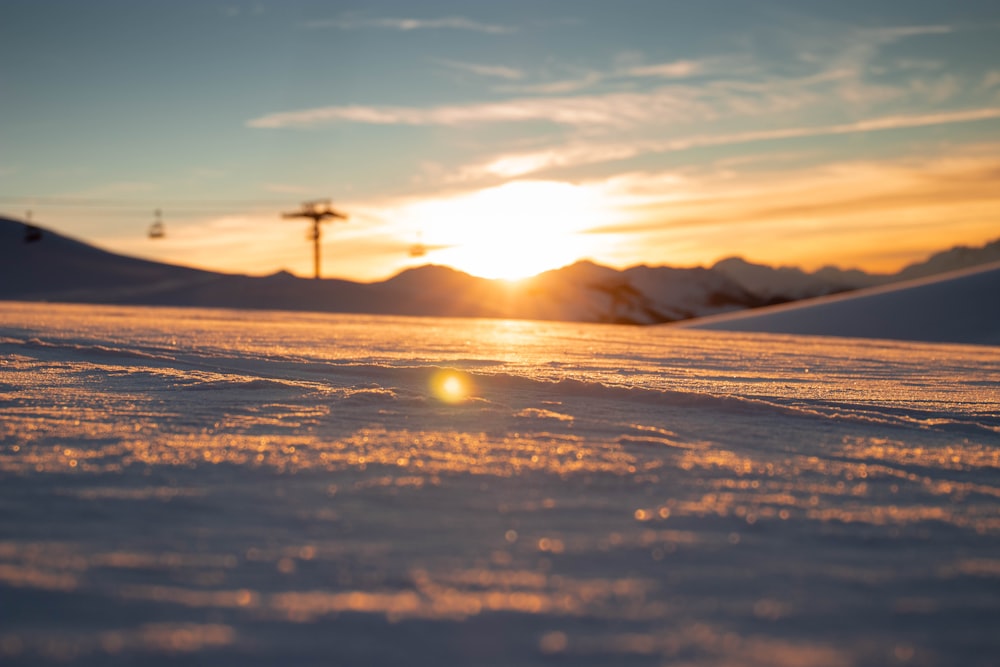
(318, 211)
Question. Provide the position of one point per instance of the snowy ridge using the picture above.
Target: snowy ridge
(957, 307)
(788, 283)
(59, 269)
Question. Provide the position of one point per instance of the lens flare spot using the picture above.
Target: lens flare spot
(450, 386)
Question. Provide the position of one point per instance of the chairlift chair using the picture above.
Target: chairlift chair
(156, 230)
(418, 249)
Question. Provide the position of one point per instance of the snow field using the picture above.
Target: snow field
(262, 488)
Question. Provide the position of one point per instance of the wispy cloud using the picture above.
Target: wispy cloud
(511, 165)
(848, 60)
(622, 117)
(991, 79)
(582, 80)
(408, 24)
(895, 33)
(679, 69)
(611, 110)
(656, 107)
(562, 86)
(521, 164)
(731, 88)
(479, 69)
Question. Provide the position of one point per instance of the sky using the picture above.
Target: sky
(505, 138)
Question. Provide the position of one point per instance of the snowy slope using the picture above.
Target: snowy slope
(58, 268)
(958, 307)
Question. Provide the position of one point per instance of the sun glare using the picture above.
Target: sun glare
(511, 231)
(450, 386)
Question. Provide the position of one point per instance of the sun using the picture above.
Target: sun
(514, 230)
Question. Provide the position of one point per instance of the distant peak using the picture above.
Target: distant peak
(732, 262)
(429, 274)
(583, 265)
(282, 274)
(429, 269)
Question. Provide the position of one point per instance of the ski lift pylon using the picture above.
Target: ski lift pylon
(318, 210)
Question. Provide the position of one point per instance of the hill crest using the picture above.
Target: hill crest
(57, 268)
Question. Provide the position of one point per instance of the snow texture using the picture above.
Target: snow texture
(186, 486)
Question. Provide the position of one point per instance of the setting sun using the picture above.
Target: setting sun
(511, 231)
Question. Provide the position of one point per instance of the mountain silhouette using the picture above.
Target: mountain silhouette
(55, 268)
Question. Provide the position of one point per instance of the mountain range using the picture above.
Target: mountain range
(38, 264)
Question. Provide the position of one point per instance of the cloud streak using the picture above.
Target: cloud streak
(656, 107)
(679, 69)
(636, 107)
(907, 207)
(674, 104)
(409, 24)
(479, 69)
(585, 153)
(667, 71)
(602, 110)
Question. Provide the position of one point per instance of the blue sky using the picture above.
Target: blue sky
(508, 137)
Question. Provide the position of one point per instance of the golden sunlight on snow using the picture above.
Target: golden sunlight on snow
(245, 470)
(451, 386)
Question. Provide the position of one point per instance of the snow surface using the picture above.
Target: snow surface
(957, 307)
(217, 487)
